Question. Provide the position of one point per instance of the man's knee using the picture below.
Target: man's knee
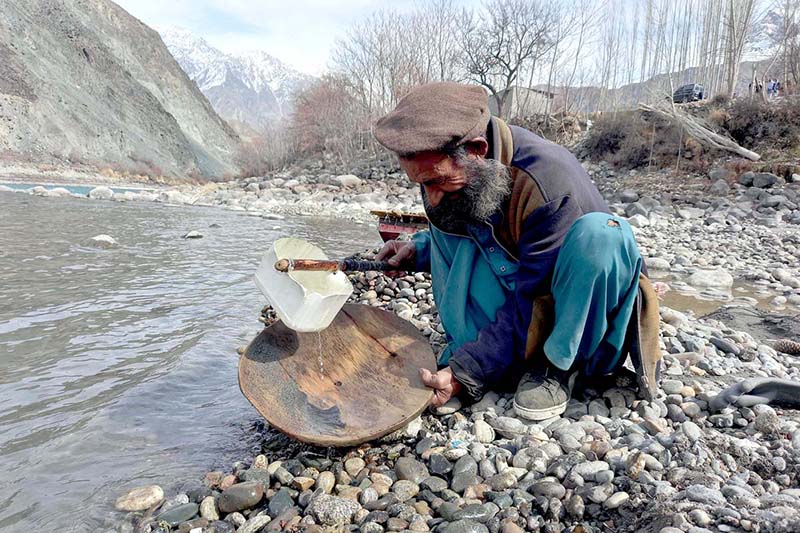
(595, 240)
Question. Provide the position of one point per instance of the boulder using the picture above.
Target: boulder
(720, 173)
(628, 196)
(746, 179)
(348, 180)
(140, 498)
(764, 180)
(103, 241)
(711, 278)
(720, 188)
(101, 193)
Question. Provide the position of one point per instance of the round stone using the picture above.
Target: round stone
(140, 498)
(410, 469)
(354, 465)
(240, 496)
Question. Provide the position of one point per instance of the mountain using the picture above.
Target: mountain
(253, 88)
(82, 80)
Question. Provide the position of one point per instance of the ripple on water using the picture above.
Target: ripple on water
(118, 366)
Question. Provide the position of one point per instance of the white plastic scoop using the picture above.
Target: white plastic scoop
(304, 300)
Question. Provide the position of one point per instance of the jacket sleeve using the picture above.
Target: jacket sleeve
(422, 256)
(481, 364)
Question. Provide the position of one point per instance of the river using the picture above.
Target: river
(118, 366)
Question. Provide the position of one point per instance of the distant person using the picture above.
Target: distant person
(535, 281)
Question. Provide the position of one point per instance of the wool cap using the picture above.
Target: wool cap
(433, 116)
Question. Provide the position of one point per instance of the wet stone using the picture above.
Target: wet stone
(178, 514)
(240, 496)
(281, 501)
(477, 512)
(140, 498)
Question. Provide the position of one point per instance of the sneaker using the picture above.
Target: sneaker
(542, 394)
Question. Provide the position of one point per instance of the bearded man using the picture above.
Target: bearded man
(535, 282)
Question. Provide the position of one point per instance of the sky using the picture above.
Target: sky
(298, 32)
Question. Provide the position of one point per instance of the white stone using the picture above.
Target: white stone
(194, 234)
(348, 180)
(711, 278)
(140, 498)
(101, 193)
(104, 241)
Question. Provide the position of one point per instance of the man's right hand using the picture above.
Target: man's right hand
(400, 254)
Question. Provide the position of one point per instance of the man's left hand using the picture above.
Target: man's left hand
(443, 383)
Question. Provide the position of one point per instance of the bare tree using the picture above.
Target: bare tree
(502, 41)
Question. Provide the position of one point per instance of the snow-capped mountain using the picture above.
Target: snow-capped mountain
(254, 88)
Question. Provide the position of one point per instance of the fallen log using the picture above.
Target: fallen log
(700, 132)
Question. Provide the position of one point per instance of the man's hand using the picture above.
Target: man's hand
(444, 385)
(399, 254)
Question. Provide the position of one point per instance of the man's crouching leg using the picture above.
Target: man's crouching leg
(595, 282)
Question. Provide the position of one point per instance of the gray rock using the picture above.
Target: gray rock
(548, 489)
(502, 481)
(281, 501)
(764, 180)
(332, 510)
(465, 526)
(720, 188)
(410, 469)
(746, 179)
(703, 494)
(692, 431)
(628, 195)
(255, 523)
(178, 514)
(434, 484)
(588, 469)
(405, 490)
(439, 465)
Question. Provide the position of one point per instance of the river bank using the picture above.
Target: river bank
(613, 462)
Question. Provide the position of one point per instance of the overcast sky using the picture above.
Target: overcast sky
(298, 32)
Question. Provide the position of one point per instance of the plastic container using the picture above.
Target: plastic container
(304, 301)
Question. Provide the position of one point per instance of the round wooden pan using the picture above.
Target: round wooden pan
(368, 385)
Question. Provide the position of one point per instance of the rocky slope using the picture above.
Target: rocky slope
(253, 88)
(83, 80)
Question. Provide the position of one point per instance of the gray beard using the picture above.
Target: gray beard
(488, 186)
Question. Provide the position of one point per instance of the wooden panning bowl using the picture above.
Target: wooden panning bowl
(363, 384)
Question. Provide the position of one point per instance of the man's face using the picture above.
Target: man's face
(458, 190)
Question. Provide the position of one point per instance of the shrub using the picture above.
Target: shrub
(756, 124)
(633, 139)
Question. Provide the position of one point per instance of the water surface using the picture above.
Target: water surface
(118, 367)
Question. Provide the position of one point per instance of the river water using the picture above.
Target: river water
(118, 367)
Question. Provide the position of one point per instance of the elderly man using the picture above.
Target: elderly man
(533, 278)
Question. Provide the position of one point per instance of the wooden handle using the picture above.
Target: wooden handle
(319, 265)
(329, 265)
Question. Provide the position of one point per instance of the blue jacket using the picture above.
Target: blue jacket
(486, 280)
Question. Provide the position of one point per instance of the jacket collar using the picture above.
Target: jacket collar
(501, 143)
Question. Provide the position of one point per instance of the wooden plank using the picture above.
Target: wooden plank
(353, 382)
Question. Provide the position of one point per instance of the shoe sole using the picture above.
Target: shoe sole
(540, 414)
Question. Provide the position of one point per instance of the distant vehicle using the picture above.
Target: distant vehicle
(688, 93)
